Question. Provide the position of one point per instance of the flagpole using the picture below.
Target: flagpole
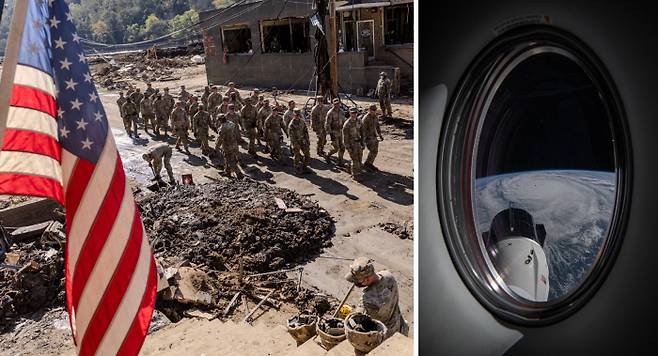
(10, 62)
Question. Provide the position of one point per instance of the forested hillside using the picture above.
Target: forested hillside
(121, 21)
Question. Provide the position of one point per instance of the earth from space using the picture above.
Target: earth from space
(574, 206)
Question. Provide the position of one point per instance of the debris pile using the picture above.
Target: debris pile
(31, 270)
(400, 230)
(228, 243)
(118, 72)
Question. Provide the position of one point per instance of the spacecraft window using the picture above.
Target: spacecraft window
(534, 160)
(543, 156)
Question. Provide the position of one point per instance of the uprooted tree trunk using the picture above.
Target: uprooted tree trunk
(323, 83)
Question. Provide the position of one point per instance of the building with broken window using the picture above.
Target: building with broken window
(265, 43)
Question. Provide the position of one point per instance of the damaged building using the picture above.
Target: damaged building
(271, 43)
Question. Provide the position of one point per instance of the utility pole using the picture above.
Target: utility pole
(333, 51)
(323, 53)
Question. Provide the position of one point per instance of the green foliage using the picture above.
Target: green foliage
(183, 22)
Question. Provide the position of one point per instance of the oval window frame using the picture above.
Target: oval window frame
(457, 144)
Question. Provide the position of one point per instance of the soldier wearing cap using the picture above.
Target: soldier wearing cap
(333, 124)
(231, 89)
(318, 113)
(214, 101)
(380, 295)
(155, 155)
(353, 142)
(122, 100)
(383, 92)
(148, 113)
(370, 130)
(161, 107)
(202, 121)
(299, 142)
(249, 123)
(263, 113)
(130, 115)
(233, 116)
(180, 124)
(184, 95)
(149, 90)
(254, 96)
(228, 136)
(273, 128)
(288, 115)
(169, 101)
(223, 109)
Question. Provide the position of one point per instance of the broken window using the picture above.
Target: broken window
(399, 24)
(237, 38)
(285, 35)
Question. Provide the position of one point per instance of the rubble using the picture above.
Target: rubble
(400, 230)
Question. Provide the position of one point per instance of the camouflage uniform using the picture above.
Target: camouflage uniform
(273, 127)
(234, 100)
(184, 95)
(130, 115)
(230, 91)
(353, 143)
(383, 92)
(149, 92)
(170, 102)
(234, 117)
(202, 122)
(299, 142)
(136, 97)
(162, 115)
(263, 113)
(380, 299)
(204, 97)
(370, 131)
(122, 100)
(192, 109)
(214, 101)
(227, 139)
(287, 117)
(148, 113)
(318, 114)
(180, 124)
(250, 125)
(155, 155)
(333, 124)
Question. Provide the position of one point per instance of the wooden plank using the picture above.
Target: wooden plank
(29, 213)
(26, 232)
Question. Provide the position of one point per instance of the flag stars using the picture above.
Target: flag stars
(98, 116)
(37, 24)
(60, 113)
(86, 144)
(33, 47)
(76, 38)
(82, 124)
(64, 132)
(54, 22)
(69, 17)
(65, 64)
(82, 58)
(70, 84)
(93, 97)
(87, 77)
(76, 104)
(60, 43)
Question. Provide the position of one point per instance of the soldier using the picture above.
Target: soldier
(161, 107)
(184, 95)
(353, 142)
(227, 139)
(333, 124)
(264, 112)
(231, 89)
(318, 114)
(192, 109)
(155, 94)
(130, 115)
(155, 155)
(383, 92)
(369, 132)
(234, 100)
(131, 90)
(214, 101)
(148, 113)
(137, 96)
(380, 295)
(254, 96)
(273, 126)
(206, 94)
(122, 100)
(169, 100)
(288, 115)
(259, 105)
(232, 115)
(149, 90)
(202, 123)
(249, 123)
(299, 141)
(180, 124)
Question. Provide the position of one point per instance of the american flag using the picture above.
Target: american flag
(58, 144)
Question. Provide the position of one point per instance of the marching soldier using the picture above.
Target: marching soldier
(369, 131)
(202, 123)
(130, 115)
(380, 295)
(249, 123)
(231, 89)
(180, 124)
(318, 114)
(288, 115)
(214, 101)
(383, 92)
(227, 140)
(262, 115)
(155, 155)
(161, 107)
(184, 95)
(206, 94)
(299, 142)
(148, 113)
(273, 128)
(333, 124)
(353, 142)
(122, 100)
(149, 90)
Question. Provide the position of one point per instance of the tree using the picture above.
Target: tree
(223, 3)
(100, 31)
(155, 27)
(183, 23)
